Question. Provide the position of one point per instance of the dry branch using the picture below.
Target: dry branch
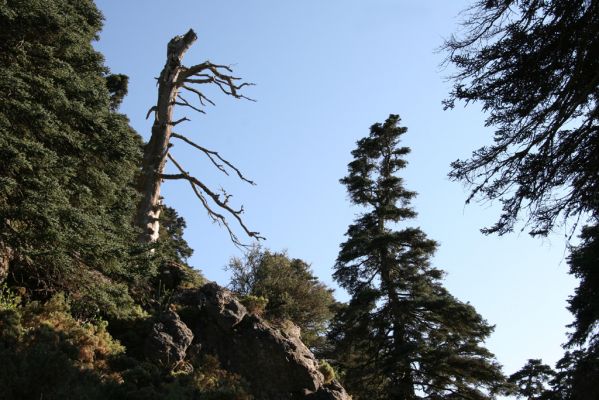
(216, 198)
(173, 78)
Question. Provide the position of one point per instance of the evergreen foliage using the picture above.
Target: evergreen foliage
(67, 161)
(533, 65)
(290, 288)
(584, 304)
(531, 382)
(402, 335)
(578, 370)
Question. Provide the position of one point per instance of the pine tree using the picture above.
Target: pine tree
(531, 381)
(402, 335)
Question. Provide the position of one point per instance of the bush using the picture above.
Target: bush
(8, 299)
(45, 352)
(254, 304)
(327, 371)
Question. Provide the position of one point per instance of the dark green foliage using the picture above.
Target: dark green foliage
(171, 254)
(117, 85)
(292, 291)
(533, 65)
(402, 335)
(67, 161)
(531, 382)
(584, 305)
(578, 370)
(172, 245)
(577, 374)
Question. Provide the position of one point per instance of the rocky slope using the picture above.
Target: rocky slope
(276, 364)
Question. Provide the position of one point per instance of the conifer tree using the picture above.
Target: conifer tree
(67, 160)
(402, 335)
(532, 380)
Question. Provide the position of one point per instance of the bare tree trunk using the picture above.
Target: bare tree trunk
(156, 151)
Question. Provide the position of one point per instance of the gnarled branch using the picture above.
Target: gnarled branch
(173, 78)
(216, 198)
(211, 154)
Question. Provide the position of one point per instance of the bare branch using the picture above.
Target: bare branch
(185, 103)
(211, 154)
(197, 69)
(151, 110)
(179, 121)
(196, 183)
(200, 95)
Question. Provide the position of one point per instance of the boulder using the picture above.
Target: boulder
(168, 340)
(277, 365)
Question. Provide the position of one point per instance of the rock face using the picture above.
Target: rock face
(277, 365)
(168, 340)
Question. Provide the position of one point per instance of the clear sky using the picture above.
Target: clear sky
(324, 72)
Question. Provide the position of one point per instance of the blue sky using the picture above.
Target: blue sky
(324, 72)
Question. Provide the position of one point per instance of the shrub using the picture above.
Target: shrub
(254, 304)
(8, 299)
(327, 371)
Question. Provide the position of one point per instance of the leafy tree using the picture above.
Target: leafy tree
(532, 380)
(67, 161)
(171, 254)
(402, 335)
(292, 291)
(173, 245)
(533, 65)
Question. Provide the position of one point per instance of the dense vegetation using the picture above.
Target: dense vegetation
(80, 293)
(69, 263)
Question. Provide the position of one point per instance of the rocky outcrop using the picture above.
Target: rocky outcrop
(277, 365)
(168, 340)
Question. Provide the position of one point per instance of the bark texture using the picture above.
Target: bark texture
(156, 151)
(174, 79)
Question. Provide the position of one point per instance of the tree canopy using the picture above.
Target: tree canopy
(68, 160)
(402, 335)
(533, 65)
(290, 289)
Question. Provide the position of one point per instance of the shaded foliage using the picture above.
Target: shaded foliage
(584, 304)
(533, 65)
(531, 381)
(68, 161)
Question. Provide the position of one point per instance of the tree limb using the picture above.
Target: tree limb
(211, 154)
(196, 183)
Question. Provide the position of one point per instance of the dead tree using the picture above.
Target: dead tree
(174, 81)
